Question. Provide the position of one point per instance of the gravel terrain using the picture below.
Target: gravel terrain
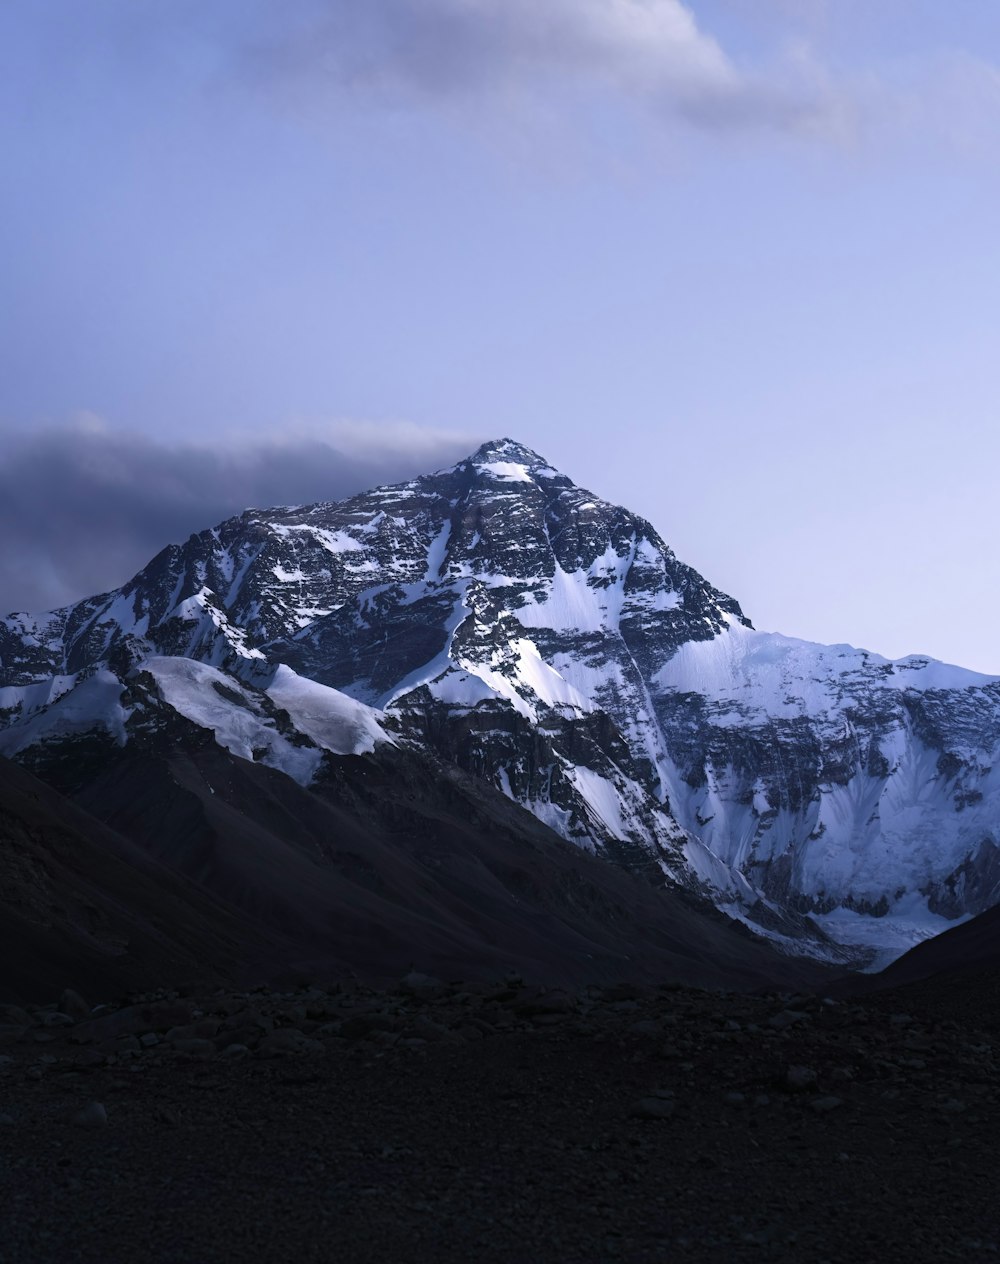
(498, 1122)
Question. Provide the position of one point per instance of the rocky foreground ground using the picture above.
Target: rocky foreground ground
(497, 1122)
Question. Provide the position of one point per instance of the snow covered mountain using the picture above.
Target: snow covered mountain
(551, 644)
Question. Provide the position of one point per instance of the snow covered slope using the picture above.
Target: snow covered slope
(552, 644)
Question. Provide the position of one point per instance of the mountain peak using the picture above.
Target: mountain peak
(509, 452)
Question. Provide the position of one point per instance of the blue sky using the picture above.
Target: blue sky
(733, 264)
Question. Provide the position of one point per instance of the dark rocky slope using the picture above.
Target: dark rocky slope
(187, 860)
(79, 902)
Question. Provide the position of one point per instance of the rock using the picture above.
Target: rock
(235, 1051)
(6, 1121)
(14, 1016)
(148, 1039)
(652, 1108)
(56, 1019)
(194, 987)
(157, 1016)
(624, 992)
(424, 985)
(735, 1099)
(203, 1029)
(787, 1018)
(427, 1029)
(10, 1033)
(73, 1004)
(823, 1105)
(320, 1008)
(194, 1047)
(249, 1036)
(542, 1002)
(93, 1115)
(800, 1077)
(293, 1015)
(224, 1006)
(245, 1017)
(88, 1058)
(383, 1039)
(358, 1026)
(285, 1040)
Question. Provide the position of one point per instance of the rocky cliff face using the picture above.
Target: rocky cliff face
(553, 645)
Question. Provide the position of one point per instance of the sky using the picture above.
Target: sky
(732, 263)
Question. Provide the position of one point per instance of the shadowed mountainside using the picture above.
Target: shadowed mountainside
(191, 861)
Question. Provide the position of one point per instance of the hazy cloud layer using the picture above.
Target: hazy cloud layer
(652, 52)
(83, 508)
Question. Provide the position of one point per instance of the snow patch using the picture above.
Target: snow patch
(506, 471)
(908, 923)
(783, 677)
(332, 541)
(330, 718)
(439, 664)
(571, 602)
(437, 552)
(30, 699)
(94, 704)
(602, 797)
(216, 701)
(533, 673)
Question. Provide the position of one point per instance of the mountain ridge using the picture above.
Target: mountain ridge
(552, 644)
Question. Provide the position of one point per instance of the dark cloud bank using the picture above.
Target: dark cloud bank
(81, 511)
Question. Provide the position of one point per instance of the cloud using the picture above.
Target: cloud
(651, 52)
(83, 507)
